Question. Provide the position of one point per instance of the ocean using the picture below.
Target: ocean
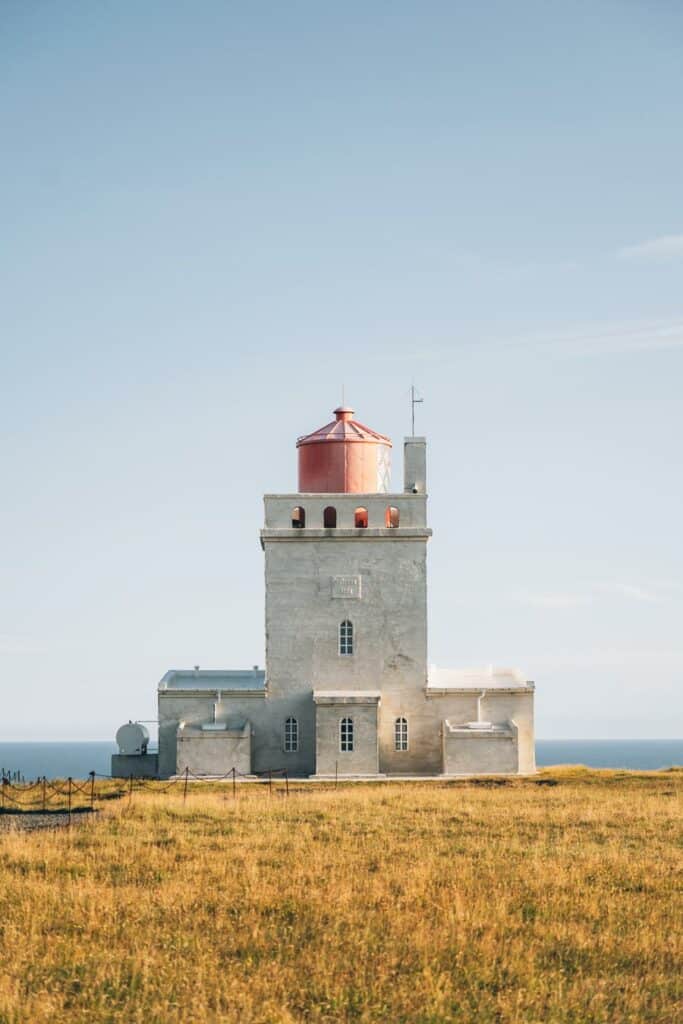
(61, 760)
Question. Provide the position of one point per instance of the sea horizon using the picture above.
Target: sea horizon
(77, 758)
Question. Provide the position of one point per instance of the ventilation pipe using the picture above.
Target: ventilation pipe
(480, 723)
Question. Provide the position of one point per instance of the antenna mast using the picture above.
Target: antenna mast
(413, 402)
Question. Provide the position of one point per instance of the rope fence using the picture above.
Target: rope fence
(66, 797)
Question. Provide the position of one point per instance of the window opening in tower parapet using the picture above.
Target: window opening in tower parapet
(346, 735)
(401, 734)
(360, 518)
(330, 517)
(346, 637)
(298, 518)
(392, 517)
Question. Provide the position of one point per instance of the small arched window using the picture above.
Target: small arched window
(360, 518)
(291, 736)
(330, 517)
(346, 637)
(298, 518)
(346, 735)
(391, 518)
(401, 734)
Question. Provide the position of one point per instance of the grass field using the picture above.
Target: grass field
(556, 899)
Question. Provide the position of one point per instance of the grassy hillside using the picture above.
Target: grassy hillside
(547, 900)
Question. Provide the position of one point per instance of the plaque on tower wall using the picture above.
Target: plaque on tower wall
(347, 587)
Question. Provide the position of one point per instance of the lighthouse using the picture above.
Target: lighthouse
(347, 690)
(346, 603)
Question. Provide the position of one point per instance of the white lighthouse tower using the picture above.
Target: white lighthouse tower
(346, 604)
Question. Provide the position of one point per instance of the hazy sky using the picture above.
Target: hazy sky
(213, 215)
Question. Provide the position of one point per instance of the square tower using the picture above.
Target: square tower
(346, 606)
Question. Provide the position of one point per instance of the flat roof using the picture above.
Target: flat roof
(214, 679)
(476, 678)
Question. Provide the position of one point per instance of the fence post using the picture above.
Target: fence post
(4, 783)
(44, 785)
(286, 784)
(130, 789)
(270, 782)
(234, 783)
(187, 772)
(336, 774)
(92, 791)
(70, 780)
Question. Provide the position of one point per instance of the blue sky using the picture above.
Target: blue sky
(216, 215)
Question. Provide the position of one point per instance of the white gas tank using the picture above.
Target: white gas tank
(132, 738)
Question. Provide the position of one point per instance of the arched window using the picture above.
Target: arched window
(330, 517)
(298, 518)
(346, 637)
(401, 734)
(360, 518)
(346, 735)
(291, 736)
(391, 517)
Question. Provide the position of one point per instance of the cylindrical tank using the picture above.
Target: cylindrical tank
(132, 738)
(344, 457)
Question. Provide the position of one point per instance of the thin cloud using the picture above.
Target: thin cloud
(632, 591)
(551, 599)
(606, 339)
(12, 643)
(655, 250)
(587, 340)
(561, 600)
(623, 657)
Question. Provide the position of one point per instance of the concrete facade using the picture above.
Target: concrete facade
(207, 748)
(140, 766)
(468, 750)
(346, 638)
(333, 712)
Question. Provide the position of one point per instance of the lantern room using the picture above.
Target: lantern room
(344, 457)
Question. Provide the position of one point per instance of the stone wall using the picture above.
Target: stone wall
(214, 752)
(364, 758)
(140, 766)
(474, 752)
(266, 716)
(497, 706)
(379, 583)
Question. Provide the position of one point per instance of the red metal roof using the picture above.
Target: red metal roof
(343, 428)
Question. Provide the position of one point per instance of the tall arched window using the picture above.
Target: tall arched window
(298, 518)
(291, 736)
(346, 735)
(391, 517)
(346, 637)
(401, 734)
(360, 518)
(330, 517)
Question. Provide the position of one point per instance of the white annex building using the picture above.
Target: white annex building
(347, 689)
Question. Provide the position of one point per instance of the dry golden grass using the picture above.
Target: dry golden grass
(419, 902)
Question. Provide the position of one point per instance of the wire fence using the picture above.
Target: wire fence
(46, 796)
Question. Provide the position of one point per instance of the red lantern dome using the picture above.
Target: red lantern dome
(344, 457)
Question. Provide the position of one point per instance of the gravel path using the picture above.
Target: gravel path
(31, 821)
